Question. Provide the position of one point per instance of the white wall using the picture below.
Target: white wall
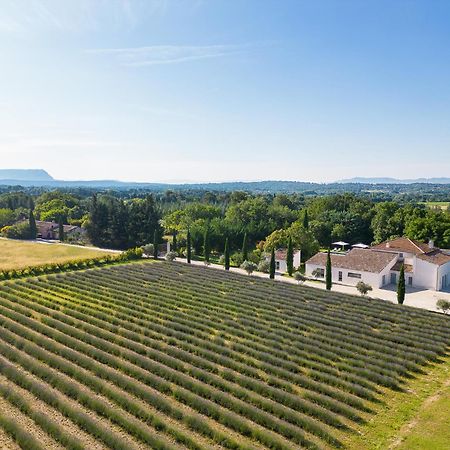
(283, 266)
(297, 259)
(444, 270)
(425, 274)
(374, 279)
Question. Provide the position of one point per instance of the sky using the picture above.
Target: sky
(225, 90)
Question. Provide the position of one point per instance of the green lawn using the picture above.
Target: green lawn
(415, 419)
(19, 254)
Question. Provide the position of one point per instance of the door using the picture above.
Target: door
(383, 280)
(340, 276)
(393, 278)
(409, 281)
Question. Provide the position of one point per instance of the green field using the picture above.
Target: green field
(166, 355)
(19, 254)
(441, 205)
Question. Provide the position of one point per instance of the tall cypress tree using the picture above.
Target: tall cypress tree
(174, 241)
(226, 255)
(305, 220)
(290, 257)
(401, 286)
(272, 265)
(328, 272)
(32, 224)
(155, 244)
(188, 246)
(245, 248)
(61, 230)
(206, 245)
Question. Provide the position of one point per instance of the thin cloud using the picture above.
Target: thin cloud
(168, 54)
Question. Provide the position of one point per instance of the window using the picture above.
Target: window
(277, 265)
(409, 281)
(383, 280)
(353, 275)
(393, 278)
(340, 276)
(319, 273)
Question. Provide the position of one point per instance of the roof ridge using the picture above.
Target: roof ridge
(412, 242)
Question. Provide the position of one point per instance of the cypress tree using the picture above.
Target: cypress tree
(305, 220)
(290, 257)
(401, 286)
(206, 247)
(61, 230)
(155, 244)
(272, 265)
(328, 272)
(174, 241)
(32, 223)
(188, 246)
(227, 255)
(245, 248)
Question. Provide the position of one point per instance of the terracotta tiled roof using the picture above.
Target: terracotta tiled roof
(398, 265)
(281, 254)
(364, 260)
(436, 256)
(403, 245)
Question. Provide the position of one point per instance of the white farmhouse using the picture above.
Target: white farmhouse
(425, 265)
(280, 259)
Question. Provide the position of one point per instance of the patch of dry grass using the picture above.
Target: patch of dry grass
(20, 254)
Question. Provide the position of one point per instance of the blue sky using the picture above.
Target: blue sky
(213, 90)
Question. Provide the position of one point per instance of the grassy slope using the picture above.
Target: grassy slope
(415, 419)
(19, 254)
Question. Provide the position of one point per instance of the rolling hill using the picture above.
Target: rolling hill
(165, 355)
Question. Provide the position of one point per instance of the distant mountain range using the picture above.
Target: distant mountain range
(41, 178)
(382, 180)
(25, 175)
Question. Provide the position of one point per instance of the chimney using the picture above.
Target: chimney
(431, 244)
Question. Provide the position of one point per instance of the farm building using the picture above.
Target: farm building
(425, 265)
(50, 230)
(280, 259)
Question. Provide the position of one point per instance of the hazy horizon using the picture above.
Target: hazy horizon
(190, 90)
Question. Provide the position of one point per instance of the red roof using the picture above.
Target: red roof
(364, 260)
(435, 256)
(403, 245)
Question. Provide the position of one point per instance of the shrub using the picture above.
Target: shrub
(236, 259)
(363, 288)
(17, 231)
(264, 266)
(147, 249)
(443, 305)
(299, 277)
(171, 256)
(248, 266)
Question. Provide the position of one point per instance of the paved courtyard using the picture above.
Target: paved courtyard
(418, 298)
